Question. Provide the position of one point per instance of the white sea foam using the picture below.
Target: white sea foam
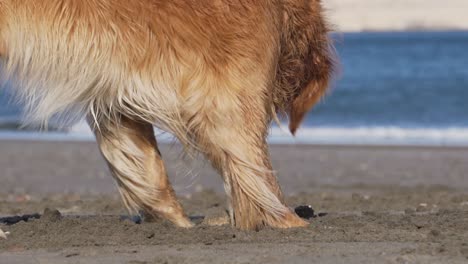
(452, 136)
(378, 135)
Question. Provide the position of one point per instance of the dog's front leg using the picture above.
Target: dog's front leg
(233, 137)
(132, 154)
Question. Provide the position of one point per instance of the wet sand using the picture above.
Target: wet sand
(383, 205)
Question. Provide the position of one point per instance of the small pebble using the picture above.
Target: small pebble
(359, 197)
(434, 232)
(51, 215)
(197, 219)
(305, 211)
(422, 208)
(217, 221)
(135, 219)
(216, 217)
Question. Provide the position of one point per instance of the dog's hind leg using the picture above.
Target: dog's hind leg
(131, 152)
(233, 137)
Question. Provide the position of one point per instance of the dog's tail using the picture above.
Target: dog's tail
(307, 59)
(321, 71)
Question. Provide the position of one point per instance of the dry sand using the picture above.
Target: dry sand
(384, 15)
(383, 205)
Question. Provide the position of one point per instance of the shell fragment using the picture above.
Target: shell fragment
(3, 234)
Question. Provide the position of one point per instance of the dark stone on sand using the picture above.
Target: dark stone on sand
(197, 219)
(12, 220)
(51, 215)
(72, 255)
(305, 211)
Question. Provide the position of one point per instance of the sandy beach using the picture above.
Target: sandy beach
(372, 204)
(380, 205)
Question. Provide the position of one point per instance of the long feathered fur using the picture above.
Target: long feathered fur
(193, 68)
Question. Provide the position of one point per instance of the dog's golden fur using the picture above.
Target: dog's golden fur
(212, 72)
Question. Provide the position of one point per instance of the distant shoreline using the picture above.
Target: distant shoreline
(394, 15)
(409, 30)
(377, 31)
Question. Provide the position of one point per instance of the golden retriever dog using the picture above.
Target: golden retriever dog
(214, 73)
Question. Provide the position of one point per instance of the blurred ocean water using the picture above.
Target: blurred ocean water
(393, 88)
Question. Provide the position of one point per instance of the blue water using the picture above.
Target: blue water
(392, 87)
(8, 109)
(399, 79)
